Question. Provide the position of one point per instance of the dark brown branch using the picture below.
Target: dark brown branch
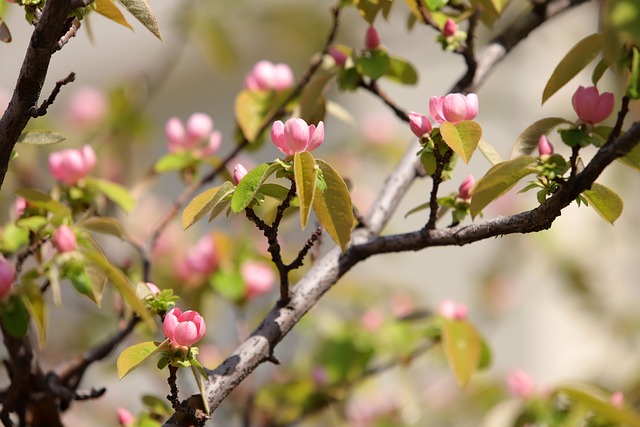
(297, 263)
(441, 162)
(372, 87)
(42, 110)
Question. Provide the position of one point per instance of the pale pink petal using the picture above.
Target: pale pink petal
(296, 133)
(316, 136)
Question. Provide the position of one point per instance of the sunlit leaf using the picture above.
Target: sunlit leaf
(312, 105)
(498, 180)
(104, 225)
(368, 9)
(41, 137)
(141, 10)
(462, 138)
(598, 401)
(462, 346)
(42, 200)
(204, 202)
(632, 158)
(249, 185)
(527, 141)
(132, 357)
(114, 192)
(305, 173)
(109, 10)
(174, 162)
(333, 206)
(580, 55)
(251, 108)
(604, 201)
(490, 152)
(200, 380)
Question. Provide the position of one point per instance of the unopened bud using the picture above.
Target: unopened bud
(372, 39)
(450, 28)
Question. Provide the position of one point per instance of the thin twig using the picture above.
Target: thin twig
(42, 110)
(373, 87)
(441, 162)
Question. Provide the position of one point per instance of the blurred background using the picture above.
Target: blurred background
(560, 305)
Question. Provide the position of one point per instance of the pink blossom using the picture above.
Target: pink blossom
(450, 28)
(520, 384)
(87, 107)
(71, 165)
(545, 148)
(617, 399)
(7, 276)
(183, 329)
(266, 75)
(590, 106)
(464, 191)
(339, 57)
(64, 239)
(372, 38)
(199, 135)
(202, 258)
(258, 277)
(125, 418)
(239, 172)
(19, 206)
(419, 124)
(295, 136)
(372, 320)
(451, 310)
(453, 108)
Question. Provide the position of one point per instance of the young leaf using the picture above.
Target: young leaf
(142, 12)
(174, 162)
(498, 180)
(197, 374)
(276, 191)
(305, 173)
(312, 105)
(598, 401)
(599, 70)
(462, 346)
(104, 225)
(132, 357)
(374, 64)
(114, 192)
(604, 201)
(632, 159)
(249, 185)
(578, 57)
(109, 10)
(35, 305)
(527, 142)
(333, 206)
(15, 317)
(368, 9)
(490, 152)
(462, 138)
(41, 137)
(42, 200)
(401, 71)
(204, 202)
(251, 108)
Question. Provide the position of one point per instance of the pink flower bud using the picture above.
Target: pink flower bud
(617, 399)
(19, 206)
(176, 134)
(239, 172)
(258, 277)
(590, 106)
(339, 57)
(88, 106)
(183, 329)
(268, 76)
(451, 310)
(545, 148)
(64, 239)
(453, 108)
(419, 124)
(215, 141)
(155, 290)
(450, 28)
(372, 320)
(464, 191)
(520, 384)
(70, 166)
(295, 136)
(372, 38)
(199, 127)
(202, 258)
(7, 276)
(125, 418)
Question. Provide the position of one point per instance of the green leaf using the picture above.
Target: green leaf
(35, 305)
(633, 87)
(114, 192)
(229, 284)
(32, 223)
(248, 186)
(580, 55)
(435, 5)
(527, 142)
(604, 201)
(15, 317)
(174, 162)
(104, 225)
(109, 10)
(499, 5)
(132, 357)
(401, 71)
(485, 355)
(122, 284)
(490, 152)
(599, 70)
(251, 108)
(276, 191)
(368, 9)
(142, 12)
(42, 200)
(462, 138)
(498, 180)
(13, 238)
(373, 63)
(201, 385)
(41, 137)
(462, 346)
(632, 158)
(598, 401)
(305, 173)
(312, 105)
(333, 206)
(204, 202)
